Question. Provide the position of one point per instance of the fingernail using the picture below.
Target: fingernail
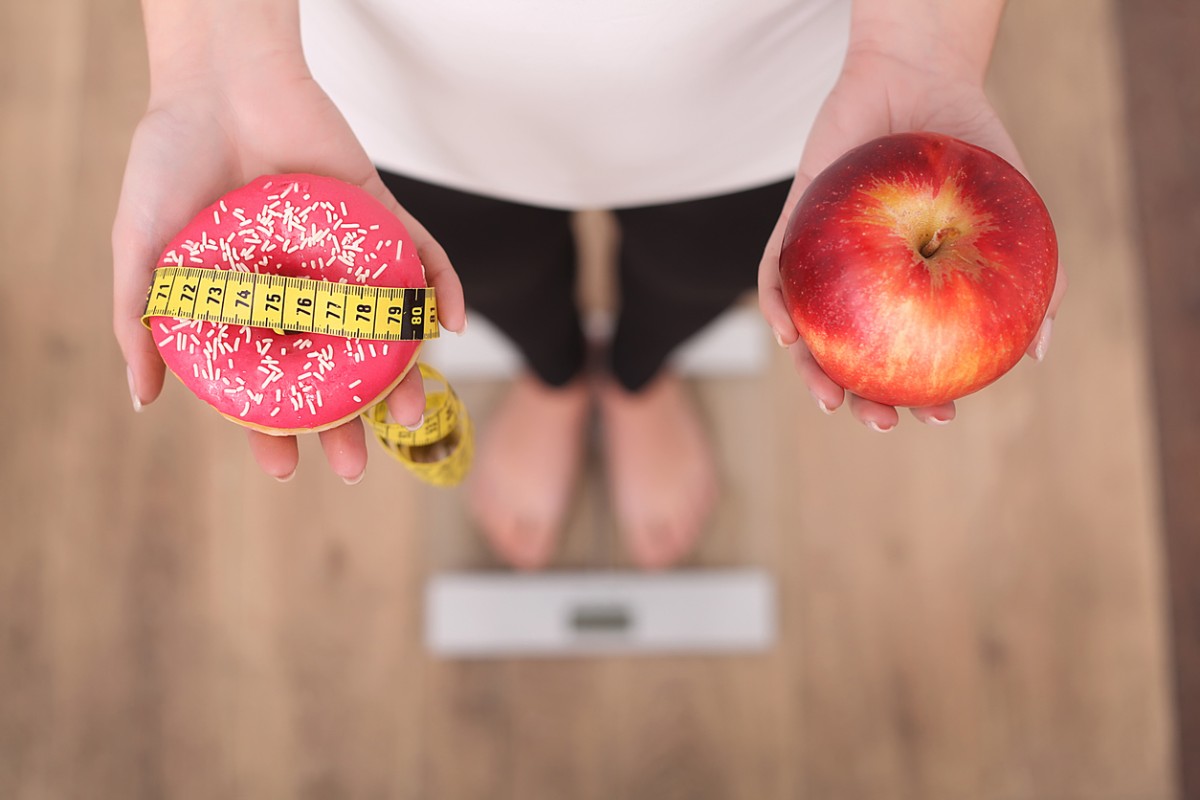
(937, 421)
(355, 480)
(779, 339)
(873, 425)
(133, 395)
(287, 477)
(1043, 340)
(418, 424)
(463, 330)
(821, 405)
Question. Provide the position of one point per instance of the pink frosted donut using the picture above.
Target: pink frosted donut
(302, 226)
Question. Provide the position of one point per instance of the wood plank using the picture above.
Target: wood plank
(1159, 48)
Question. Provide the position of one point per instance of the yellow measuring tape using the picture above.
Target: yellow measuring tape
(440, 451)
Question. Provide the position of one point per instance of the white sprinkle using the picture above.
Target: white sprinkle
(356, 383)
(216, 217)
(344, 211)
(379, 271)
(385, 349)
(274, 411)
(399, 247)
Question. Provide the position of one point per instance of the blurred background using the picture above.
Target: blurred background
(1004, 608)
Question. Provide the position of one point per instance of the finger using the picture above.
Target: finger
(876, 416)
(827, 394)
(1061, 282)
(277, 456)
(439, 273)
(346, 450)
(770, 295)
(770, 289)
(1041, 342)
(406, 403)
(133, 260)
(942, 414)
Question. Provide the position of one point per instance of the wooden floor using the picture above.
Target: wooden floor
(970, 612)
(1163, 107)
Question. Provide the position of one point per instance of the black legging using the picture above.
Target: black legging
(681, 265)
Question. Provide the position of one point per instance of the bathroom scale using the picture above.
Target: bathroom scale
(502, 615)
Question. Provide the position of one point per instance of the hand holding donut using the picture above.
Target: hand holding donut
(229, 103)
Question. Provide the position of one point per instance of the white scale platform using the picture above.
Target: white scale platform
(490, 615)
(733, 344)
(704, 612)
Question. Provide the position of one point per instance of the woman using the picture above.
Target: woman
(490, 122)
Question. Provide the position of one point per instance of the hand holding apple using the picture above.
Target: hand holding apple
(918, 268)
(882, 92)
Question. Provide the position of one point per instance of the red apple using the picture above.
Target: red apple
(918, 268)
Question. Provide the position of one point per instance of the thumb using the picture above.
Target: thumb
(439, 272)
(770, 290)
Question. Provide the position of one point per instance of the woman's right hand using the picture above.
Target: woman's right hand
(213, 124)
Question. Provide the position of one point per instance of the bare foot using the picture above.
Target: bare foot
(660, 469)
(526, 468)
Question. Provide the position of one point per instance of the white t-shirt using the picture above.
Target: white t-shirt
(580, 103)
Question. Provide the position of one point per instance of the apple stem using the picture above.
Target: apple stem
(935, 241)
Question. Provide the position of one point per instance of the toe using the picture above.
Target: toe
(531, 545)
(652, 545)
